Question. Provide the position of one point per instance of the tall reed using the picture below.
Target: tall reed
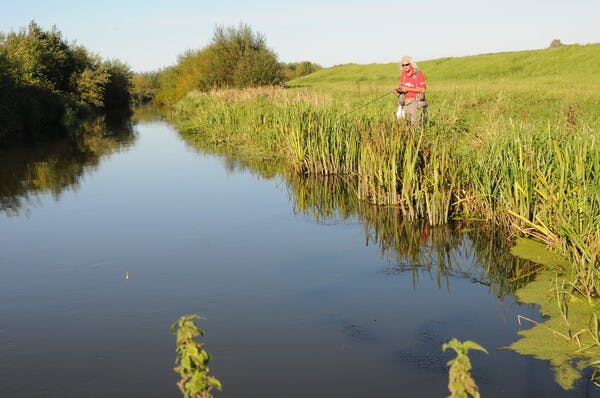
(544, 184)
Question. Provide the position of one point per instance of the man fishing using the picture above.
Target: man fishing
(412, 91)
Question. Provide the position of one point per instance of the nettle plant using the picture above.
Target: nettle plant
(192, 360)
(461, 383)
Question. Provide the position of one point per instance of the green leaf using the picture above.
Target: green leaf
(471, 345)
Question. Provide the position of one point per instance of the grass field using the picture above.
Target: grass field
(511, 138)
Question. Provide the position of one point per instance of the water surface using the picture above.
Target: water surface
(306, 293)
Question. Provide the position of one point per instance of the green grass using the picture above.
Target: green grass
(522, 67)
(512, 139)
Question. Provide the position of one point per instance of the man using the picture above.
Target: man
(412, 91)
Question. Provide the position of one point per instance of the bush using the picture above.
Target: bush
(292, 71)
(235, 58)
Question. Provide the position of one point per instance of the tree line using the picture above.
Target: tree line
(47, 85)
(236, 57)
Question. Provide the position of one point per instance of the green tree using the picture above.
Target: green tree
(47, 84)
(39, 58)
(118, 86)
(240, 58)
(90, 85)
(294, 70)
(235, 58)
(144, 87)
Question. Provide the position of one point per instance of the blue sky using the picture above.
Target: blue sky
(148, 35)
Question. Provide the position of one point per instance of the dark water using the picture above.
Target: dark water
(306, 292)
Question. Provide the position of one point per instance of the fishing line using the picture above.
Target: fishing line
(368, 103)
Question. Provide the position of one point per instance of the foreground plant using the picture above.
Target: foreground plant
(192, 360)
(461, 384)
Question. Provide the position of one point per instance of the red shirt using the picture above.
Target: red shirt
(409, 79)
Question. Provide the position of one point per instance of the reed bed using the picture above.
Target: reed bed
(530, 168)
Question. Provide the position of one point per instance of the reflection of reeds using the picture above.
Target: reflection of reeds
(466, 251)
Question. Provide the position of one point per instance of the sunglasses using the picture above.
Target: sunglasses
(405, 64)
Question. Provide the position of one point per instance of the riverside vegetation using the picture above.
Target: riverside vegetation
(511, 140)
(48, 86)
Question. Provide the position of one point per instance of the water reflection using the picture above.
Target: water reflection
(234, 159)
(147, 114)
(51, 168)
(282, 296)
(473, 251)
(460, 250)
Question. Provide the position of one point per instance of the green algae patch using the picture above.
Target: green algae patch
(568, 337)
(538, 253)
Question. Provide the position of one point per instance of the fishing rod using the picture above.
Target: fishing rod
(368, 103)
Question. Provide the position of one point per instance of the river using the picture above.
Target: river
(304, 294)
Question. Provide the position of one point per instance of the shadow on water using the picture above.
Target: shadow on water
(51, 168)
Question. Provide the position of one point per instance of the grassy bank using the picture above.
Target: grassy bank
(512, 139)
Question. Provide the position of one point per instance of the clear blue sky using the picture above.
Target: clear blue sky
(149, 34)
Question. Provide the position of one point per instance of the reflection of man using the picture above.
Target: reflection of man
(424, 233)
(412, 90)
